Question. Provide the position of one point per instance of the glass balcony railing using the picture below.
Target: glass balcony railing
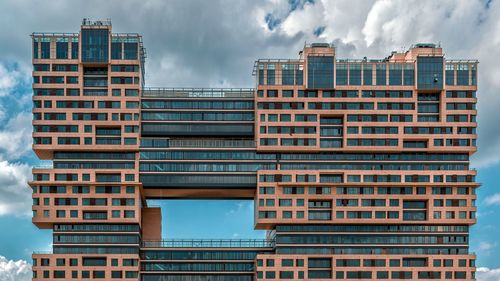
(199, 92)
(210, 243)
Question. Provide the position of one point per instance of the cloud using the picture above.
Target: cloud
(241, 207)
(14, 270)
(487, 274)
(15, 194)
(9, 79)
(493, 199)
(15, 137)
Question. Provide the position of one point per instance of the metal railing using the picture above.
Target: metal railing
(201, 143)
(44, 165)
(89, 22)
(42, 252)
(199, 92)
(210, 243)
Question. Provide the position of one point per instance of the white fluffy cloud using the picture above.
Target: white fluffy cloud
(9, 79)
(15, 195)
(15, 137)
(487, 274)
(14, 270)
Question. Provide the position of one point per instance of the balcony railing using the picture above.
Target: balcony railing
(198, 143)
(44, 166)
(198, 92)
(42, 253)
(210, 243)
(212, 143)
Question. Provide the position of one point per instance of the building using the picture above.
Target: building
(359, 169)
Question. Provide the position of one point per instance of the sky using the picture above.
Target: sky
(214, 44)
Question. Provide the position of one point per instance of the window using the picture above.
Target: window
(45, 50)
(381, 74)
(287, 93)
(35, 49)
(367, 74)
(270, 274)
(129, 214)
(95, 45)
(354, 74)
(59, 274)
(287, 74)
(409, 75)
(261, 74)
(130, 51)
(74, 48)
(60, 213)
(462, 74)
(341, 74)
(320, 72)
(395, 74)
(116, 50)
(430, 72)
(98, 274)
(62, 48)
(271, 79)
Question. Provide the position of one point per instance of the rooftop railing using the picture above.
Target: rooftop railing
(210, 243)
(199, 92)
(44, 165)
(42, 253)
(89, 22)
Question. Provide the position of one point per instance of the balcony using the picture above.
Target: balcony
(198, 93)
(210, 243)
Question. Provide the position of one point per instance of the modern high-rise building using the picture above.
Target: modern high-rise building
(359, 169)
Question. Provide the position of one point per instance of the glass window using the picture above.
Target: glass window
(430, 72)
(395, 74)
(74, 48)
(409, 75)
(367, 74)
(35, 49)
(450, 74)
(381, 74)
(320, 72)
(95, 45)
(116, 51)
(130, 51)
(62, 48)
(261, 74)
(271, 72)
(354, 74)
(462, 74)
(299, 74)
(287, 74)
(341, 74)
(45, 50)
